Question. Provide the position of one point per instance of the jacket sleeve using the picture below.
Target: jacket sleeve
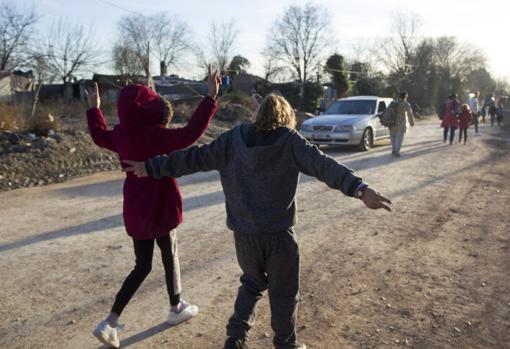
(410, 114)
(98, 131)
(203, 158)
(179, 138)
(313, 162)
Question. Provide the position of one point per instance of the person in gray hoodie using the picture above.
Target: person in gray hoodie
(259, 166)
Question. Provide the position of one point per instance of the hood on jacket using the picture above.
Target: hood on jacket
(138, 106)
(258, 150)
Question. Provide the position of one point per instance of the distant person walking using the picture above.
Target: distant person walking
(483, 113)
(492, 112)
(402, 114)
(465, 118)
(450, 121)
(489, 100)
(475, 109)
(500, 111)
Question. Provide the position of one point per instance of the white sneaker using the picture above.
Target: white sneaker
(187, 312)
(107, 334)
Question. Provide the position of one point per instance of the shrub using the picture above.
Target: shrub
(41, 124)
(184, 108)
(236, 97)
(234, 112)
(312, 93)
(11, 117)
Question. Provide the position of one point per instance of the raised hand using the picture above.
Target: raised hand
(93, 99)
(375, 200)
(213, 82)
(137, 167)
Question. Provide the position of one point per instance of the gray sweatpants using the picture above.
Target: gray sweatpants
(268, 261)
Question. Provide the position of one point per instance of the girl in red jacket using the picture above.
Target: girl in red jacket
(465, 118)
(152, 207)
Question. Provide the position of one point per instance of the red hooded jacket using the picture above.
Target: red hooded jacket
(465, 118)
(152, 207)
(450, 119)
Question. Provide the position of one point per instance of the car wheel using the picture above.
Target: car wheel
(367, 140)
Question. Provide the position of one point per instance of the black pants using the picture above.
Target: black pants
(143, 265)
(268, 261)
(463, 131)
(493, 119)
(452, 133)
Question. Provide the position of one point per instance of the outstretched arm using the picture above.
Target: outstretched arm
(213, 156)
(311, 161)
(95, 119)
(179, 138)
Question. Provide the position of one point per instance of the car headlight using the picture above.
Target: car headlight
(348, 128)
(306, 127)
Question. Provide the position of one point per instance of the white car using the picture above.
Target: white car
(349, 121)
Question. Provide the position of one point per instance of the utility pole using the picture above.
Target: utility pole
(150, 81)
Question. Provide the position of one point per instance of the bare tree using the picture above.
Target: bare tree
(201, 57)
(172, 39)
(272, 67)
(459, 60)
(15, 29)
(126, 62)
(397, 51)
(222, 41)
(41, 70)
(69, 50)
(168, 39)
(298, 40)
(135, 33)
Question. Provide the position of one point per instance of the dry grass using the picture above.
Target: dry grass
(12, 118)
(41, 124)
(183, 110)
(16, 118)
(236, 98)
(71, 114)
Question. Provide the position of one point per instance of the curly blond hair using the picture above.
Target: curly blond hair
(274, 112)
(168, 111)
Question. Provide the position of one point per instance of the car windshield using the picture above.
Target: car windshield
(352, 107)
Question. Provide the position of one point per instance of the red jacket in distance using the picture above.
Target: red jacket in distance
(152, 207)
(465, 118)
(450, 119)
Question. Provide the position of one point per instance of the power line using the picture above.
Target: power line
(119, 7)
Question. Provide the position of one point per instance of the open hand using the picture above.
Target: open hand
(93, 99)
(137, 167)
(375, 200)
(213, 81)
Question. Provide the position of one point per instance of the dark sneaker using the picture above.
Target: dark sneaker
(236, 343)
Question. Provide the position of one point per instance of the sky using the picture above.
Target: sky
(356, 24)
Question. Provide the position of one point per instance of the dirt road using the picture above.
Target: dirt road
(432, 274)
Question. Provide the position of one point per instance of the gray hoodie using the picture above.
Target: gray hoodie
(259, 173)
